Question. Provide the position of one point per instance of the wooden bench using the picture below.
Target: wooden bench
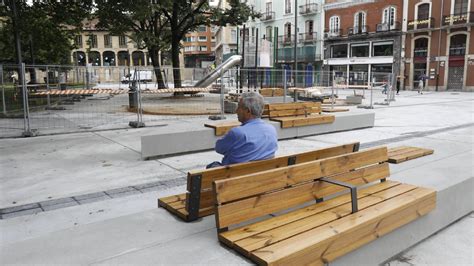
(198, 200)
(222, 128)
(405, 153)
(297, 114)
(298, 231)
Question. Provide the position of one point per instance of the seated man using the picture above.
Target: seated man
(253, 140)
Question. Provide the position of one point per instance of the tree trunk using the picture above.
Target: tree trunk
(156, 67)
(175, 59)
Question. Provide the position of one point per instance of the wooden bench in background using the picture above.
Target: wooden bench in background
(299, 231)
(405, 153)
(198, 200)
(222, 128)
(297, 114)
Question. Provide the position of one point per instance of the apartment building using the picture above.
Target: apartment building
(363, 39)
(439, 44)
(198, 47)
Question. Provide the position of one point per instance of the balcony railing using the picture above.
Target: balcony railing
(420, 53)
(424, 23)
(358, 30)
(332, 33)
(286, 39)
(267, 16)
(305, 57)
(307, 37)
(457, 51)
(460, 18)
(309, 9)
(384, 27)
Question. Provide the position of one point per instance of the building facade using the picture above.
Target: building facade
(226, 38)
(439, 44)
(198, 47)
(363, 39)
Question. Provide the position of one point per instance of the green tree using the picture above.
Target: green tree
(142, 22)
(176, 17)
(45, 30)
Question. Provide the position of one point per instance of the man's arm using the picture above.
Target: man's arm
(224, 144)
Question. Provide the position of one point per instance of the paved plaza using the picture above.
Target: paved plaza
(89, 198)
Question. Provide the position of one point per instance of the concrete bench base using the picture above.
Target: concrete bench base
(166, 144)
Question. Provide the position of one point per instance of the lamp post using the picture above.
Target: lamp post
(296, 39)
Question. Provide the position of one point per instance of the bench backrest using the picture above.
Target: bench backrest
(247, 197)
(291, 109)
(202, 180)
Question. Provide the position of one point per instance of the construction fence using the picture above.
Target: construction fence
(42, 100)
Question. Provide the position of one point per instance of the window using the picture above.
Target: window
(287, 30)
(457, 45)
(389, 16)
(360, 50)
(122, 41)
(202, 38)
(339, 51)
(202, 28)
(203, 48)
(93, 41)
(334, 25)
(287, 6)
(423, 11)
(382, 49)
(268, 33)
(233, 36)
(107, 42)
(78, 41)
(421, 47)
(268, 7)
(359, 23)
(460, 6)
(309, 27)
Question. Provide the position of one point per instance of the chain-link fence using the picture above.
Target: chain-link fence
(60, 99)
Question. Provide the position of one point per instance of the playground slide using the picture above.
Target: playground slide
(216, 73)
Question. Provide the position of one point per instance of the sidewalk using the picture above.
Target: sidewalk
(96, 199)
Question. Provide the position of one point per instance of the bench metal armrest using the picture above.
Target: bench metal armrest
(349, 186)
(194, 197)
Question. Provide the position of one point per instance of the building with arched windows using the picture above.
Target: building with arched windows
(439, 44)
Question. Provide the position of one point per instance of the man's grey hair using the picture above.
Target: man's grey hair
(254, 102)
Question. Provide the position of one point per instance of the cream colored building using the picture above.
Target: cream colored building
(226, 39)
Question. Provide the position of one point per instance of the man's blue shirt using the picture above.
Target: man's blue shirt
(254, 140)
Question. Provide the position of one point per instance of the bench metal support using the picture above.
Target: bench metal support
(193, 197)
(349, 186)
(291, 160)
(356, 147)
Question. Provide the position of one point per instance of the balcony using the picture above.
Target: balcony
(458, 19)
(286, 39)
(457, 50)
(358, 30)
(421, 53)
(385, 27)
(304, 57)
(421, 24)
(267, 16)
(307, 37)
(309, 9)
(332, 33)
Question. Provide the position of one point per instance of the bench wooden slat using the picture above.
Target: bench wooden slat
(294, 112)
(277, 234)
(298, 121)
(224, 127)
(404, 153)
(250, 208)
(325, 243)
(239, 187)
(289, 106)
(229, 237)
(224, 172)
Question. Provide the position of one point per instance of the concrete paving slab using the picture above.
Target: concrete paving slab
(76, 164)
(446, 247)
